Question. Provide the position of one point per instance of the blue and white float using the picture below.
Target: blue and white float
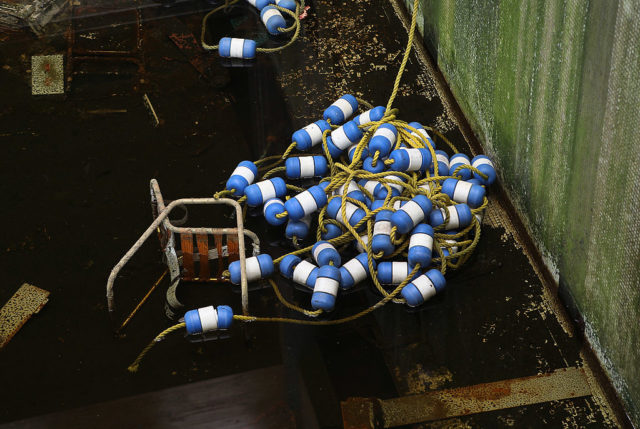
(305, 167)
(272, 19)
(341, 109)
(272, 209)
(411, 213)
(461, 191)
(383, 140)
(326, 288)
(420, 245)
(459, 216)
(259, 193)
(355, 271)
(258, 267)
(237, 48)
(311, 135)
(424, 287)
(324, 253)
(208, 319)
(484, 164)
(381, 241)
(243, 176)
(458, 160)
(307, 202)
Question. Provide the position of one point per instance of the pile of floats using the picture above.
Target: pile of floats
(399, 209)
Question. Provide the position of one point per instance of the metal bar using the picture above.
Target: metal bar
(367, 413)
(142, 302)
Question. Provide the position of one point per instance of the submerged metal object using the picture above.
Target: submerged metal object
(370, 413)
(180, 262)
(33, 14)
(27, 301)
(47, 74)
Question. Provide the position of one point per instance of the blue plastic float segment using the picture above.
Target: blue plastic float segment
(272, 208)
(459, 217)
(368, 165)
(343, 137)
(259, 4)
(302, 272)
(272, 19)
(456, 161)
(464, 192)
(333, 231)
(443, 163)
(372, 115)
(341, 110)
(237, 48)
(411, 213)
(423, 288)
(207, 319)
(244, 175)
(422, 133)
(484, 164)
(352, 191)
(259, 193)
(324, 254)
(453, 248)
(420, 245)
(326, 288)
(383, 140)
(376, 204)
(352, 150)
(309, 136)
(306, 202)
(353, 212)
(369, 186)
(298, 228)
(410, 159)
(393, 273)
(381, 241)
(475, 181)
(304, 167)
(355, 271)
(287, 4)
(258, 267)
(396, 190)
(288, 264)
(365, 240)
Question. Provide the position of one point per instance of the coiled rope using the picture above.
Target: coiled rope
(342, 173)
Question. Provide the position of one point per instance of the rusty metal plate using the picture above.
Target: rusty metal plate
(47, 74)
(27, 301)
(364, 413)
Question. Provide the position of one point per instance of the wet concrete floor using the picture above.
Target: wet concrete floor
(75, 172)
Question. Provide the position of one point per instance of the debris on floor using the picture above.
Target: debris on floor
(47, 74)
(35, 14)
(27, 301)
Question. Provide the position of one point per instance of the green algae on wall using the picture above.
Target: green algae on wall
(552, 89)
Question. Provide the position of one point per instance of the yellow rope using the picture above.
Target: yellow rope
(136, 363)
(295, 27)
(341, 174)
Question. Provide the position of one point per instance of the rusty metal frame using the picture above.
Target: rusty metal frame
(374, 413)
(162, 218)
